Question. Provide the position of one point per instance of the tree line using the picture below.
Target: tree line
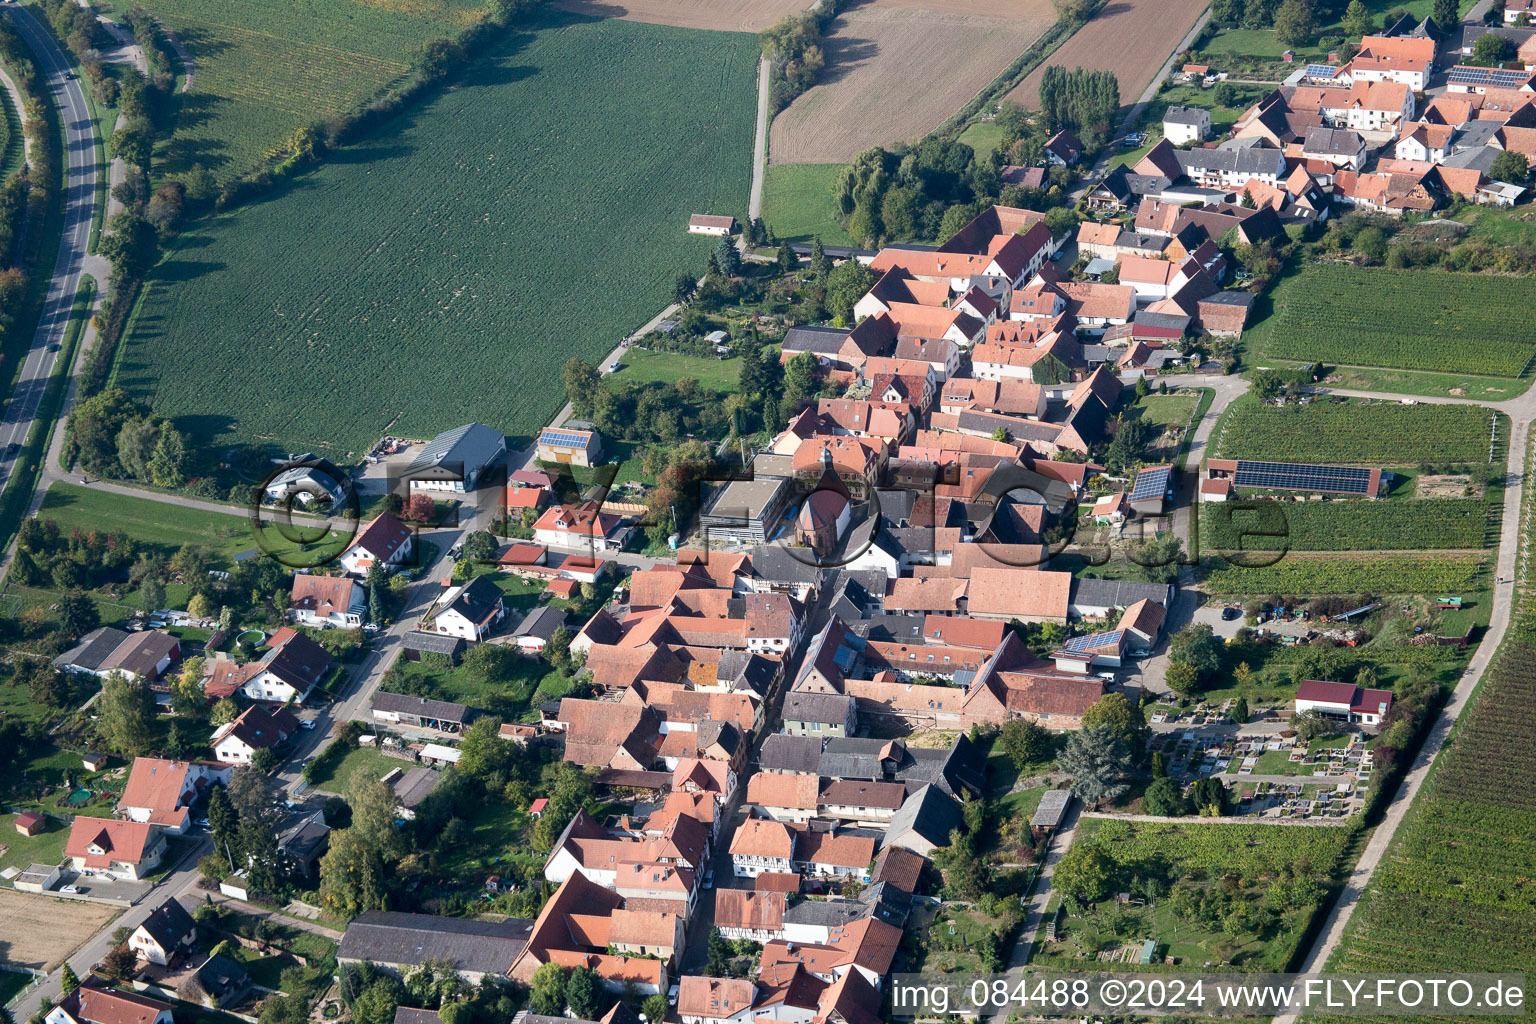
(794, 50)
(27, 196)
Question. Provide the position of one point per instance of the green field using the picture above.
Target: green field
(1427, 524)
(1382, 574)
(798, 203)
(263, 70)
(10, 136)
(1423, 320)
(466, 254)
(1353, 432)
(1204, 872)
(168, 526)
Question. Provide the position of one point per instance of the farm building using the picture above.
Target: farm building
(708, 224)
(533, 633)
(422, 712)
(139, 656)
(1152, 492)
(309, 482)
(1344, 702)
(1052, 809)
(416, 643)
(569, 447)
(1295, 476)
(455, 459)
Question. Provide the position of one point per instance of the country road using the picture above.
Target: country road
(73, 262)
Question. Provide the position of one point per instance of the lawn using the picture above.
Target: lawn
(1245, 52)
(669, 367)
(264, 70)
(983, 137)
(464, 250)
(1166, 410)
(1354, 432)
(529, 682)
(12, 982)
(798, 203)
(339, 778)
(21, 850)
(1418, 320)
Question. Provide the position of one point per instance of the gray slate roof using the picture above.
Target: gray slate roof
(541, 622)
(775, 564)
(1117, 593)
(93, 649)
(470, 447)
(168, 924)
(827, 708)
(784, 753)
(390, 937)
(476, 599)
(421, 707)
(930, 813)
(821, 340)
(1252, 160)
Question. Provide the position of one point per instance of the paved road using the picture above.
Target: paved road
(180, 881)
(73, 261)
(760, 143)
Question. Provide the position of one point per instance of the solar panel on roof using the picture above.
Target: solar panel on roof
(1151, 483)
(563, 437)
(1293, 476)
(1079, 644)
(1321, 70)
(1498, 77)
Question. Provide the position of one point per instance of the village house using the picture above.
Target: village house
(125, 849)
(703, 1000)
(1184, 125)
(762, 845)
(255, 729)
(167, 932)
(93, 1003)
(327, 601)
(582, 526)
(469, 611)
(161, 792)
(290, 669)
(384, 541)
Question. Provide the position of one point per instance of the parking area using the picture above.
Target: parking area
(99, 887)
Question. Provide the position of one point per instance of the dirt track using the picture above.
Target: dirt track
(896, 70)
(39, 931)
(1132, 38)
(719, 15)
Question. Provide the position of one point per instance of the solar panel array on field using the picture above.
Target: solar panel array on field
(1295, 476)
(1151, 483)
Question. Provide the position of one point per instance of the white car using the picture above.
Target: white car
(73, 890)
(308, 723)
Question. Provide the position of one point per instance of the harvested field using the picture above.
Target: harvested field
(39, 931)
(719, 15)
(1132, 38)
(895, 71)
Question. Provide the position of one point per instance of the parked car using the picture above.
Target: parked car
(308, 723)
(73, 890)
(709, 879)
(1228, 614)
